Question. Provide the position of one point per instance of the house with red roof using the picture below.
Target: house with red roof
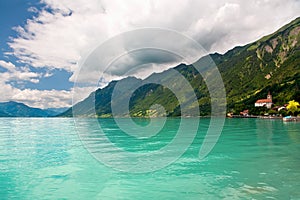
(265, 102)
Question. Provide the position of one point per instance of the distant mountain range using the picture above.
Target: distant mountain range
(15, 109)
(249, 72)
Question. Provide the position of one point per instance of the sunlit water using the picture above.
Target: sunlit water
(253, 159)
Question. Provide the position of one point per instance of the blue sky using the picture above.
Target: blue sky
(44, 42)
(15, 13)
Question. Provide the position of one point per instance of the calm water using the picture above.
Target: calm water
(253, 159)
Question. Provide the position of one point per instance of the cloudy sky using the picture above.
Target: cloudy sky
(43, 42)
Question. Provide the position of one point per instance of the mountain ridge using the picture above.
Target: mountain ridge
(249, 72)
(17, 109)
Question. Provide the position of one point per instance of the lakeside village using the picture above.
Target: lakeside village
(266, 109)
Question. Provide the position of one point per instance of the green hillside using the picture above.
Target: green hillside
(249, 73)
(270, 64)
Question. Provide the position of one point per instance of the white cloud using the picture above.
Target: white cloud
(7, 65)
(59, 39)
(48, 74)
(35, 98)
(42, 98)
(66, 35)
(34, 80)
(17, 73)
(33, 9)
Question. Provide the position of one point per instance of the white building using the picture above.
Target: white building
(265, 102)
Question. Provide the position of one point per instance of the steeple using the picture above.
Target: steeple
(269, 96)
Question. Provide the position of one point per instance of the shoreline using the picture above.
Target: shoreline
(186, 117)
(256, 116)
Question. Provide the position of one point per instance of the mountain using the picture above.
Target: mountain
(15, 109)
(55, 111)
(269, 64)
(249, 72)
(3, 114)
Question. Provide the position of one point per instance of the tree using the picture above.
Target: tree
(272, 112)
(293, 106)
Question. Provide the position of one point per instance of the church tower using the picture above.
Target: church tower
(269, 96)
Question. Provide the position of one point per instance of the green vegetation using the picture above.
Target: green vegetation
(293, 106)
(249, 73)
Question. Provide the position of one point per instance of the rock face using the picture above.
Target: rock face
(249, 73)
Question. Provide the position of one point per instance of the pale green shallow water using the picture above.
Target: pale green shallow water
(254, 159)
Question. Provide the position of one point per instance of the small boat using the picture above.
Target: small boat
(290, 119)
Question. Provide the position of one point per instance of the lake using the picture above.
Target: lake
(43, 158)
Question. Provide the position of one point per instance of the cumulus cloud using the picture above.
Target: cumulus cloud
(43, 98)
(64, 33)
(34, 97)
(138, 53)
(33, 9)
(59, 38)
(50, 98)
(7, 65)
(20, 74)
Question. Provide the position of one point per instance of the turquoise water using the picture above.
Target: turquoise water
(253, 159)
